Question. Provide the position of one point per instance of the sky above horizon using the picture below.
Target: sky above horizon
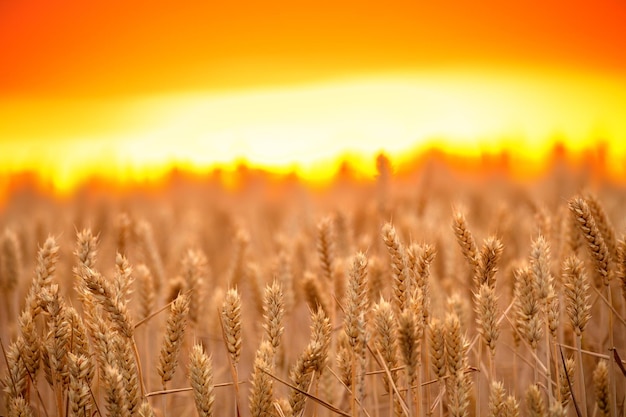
(129, 85)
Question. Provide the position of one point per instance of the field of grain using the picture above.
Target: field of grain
(426, 294)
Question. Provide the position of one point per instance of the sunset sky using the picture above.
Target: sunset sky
(128, 88)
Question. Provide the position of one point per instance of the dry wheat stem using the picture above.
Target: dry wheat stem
(308, 395)
(188, 389)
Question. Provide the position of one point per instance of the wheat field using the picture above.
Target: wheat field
(429, 294)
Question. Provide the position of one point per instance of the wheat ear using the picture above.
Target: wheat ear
(152, 258)
(511, 407)
(314, 293)
(32, 343)
(599, 251)
(419, 259)
(261, 391)
(286, 279)
(401, 276)
(456, 345)
(273, 313)
(577, 305)
(437, 347)
(535, 406)
(130, 373)
(410, 330)
(595, 242)
(145, 410)
(123, 229)
(57, 341)
(311, 362)
(601, 389)
(173, 338)
(195, 271)
(556, 410)
(386, 342)
(326, 249)
(488, 258)
(79, 395)
(231, 332)
(496, 399)
(357, 304)
(47, 259)
(466, 241)
(602, 221)
(544, 282)
(10, 269)
(487, 320)
(107, 296)
(621, 264)
(16, 379)
(231, 318)
(529, 319)
(18, 407)
(147, 294)
(459, 395)
(566, 374)
(114, 393)
(236, 269)
(201, 376)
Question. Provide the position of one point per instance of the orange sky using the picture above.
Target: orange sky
(124, 72)
(76, 48)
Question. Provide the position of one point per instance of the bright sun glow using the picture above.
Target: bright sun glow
(308, 129)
